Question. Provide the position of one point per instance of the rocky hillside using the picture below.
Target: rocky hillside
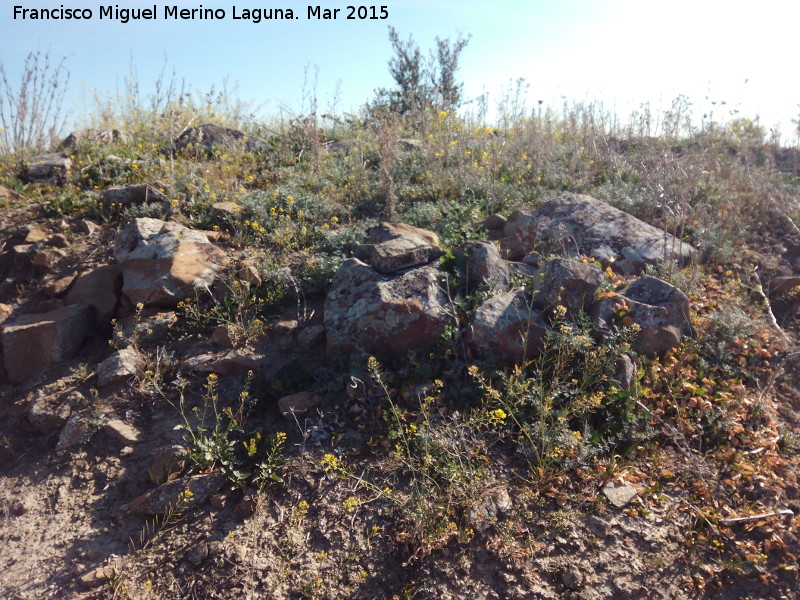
(376, 360)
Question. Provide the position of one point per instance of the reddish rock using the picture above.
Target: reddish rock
(8, 196)
(162, 262)
(385, 316)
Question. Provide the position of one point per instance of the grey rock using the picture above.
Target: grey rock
(46, 168)
(568, 283)
(661, 310)
(579, 224)
(77, 430)
(619, 494)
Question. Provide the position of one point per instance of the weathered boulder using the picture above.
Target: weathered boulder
(507, 328)
(162, 262)
(46, 168)
(483, 266)
(399, 246)
(386, 316)
(34, 343)
(661, 310)
(569, 283)
(99, 288)
(132, 195)
(580, 224)
(211, 138)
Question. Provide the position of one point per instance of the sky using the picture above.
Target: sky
(622, 53)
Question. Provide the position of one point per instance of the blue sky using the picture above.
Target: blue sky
(620, 52)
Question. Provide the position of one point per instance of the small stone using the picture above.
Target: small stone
(297, 404)
(310, 336)
(224, 336)
(598, 526)
(45, 260)
(166, 464)
(121, 431)
(98, 577)
(624, 372)
(5, 312)
(572, 578)
(35, 234)
(495, 222)
(249, 503)
(226, 211)
(233, 362)
(58, 240)
(76, 430)
(197, 553)
(87, 227)
(179, 494)
(218, 501)
(619, 494)
(49, 413)
(59, 287)
(119, 367)
(248, 273)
